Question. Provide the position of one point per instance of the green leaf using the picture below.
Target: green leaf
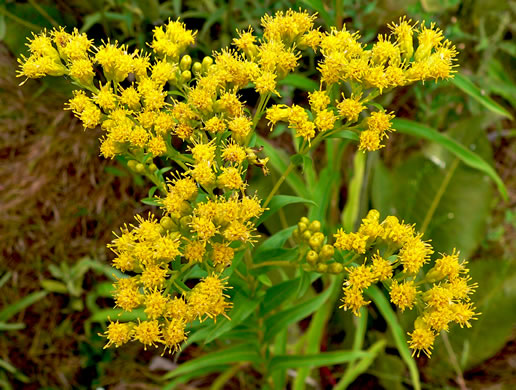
(345, 134)
(150, 202)
(105, 315)
(278, 202)
(54, 286)
(278, 294)
(236, 354)
(316, 360)
(436, 192)
(399, 335)
(284, 318)
(300, 82)
(464, 84)
(11, 326)
(465, 155)
(18, 306)
(243, 307)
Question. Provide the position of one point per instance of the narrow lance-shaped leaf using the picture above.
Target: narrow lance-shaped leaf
(464, 84)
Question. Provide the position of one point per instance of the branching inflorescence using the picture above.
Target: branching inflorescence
(164, 105)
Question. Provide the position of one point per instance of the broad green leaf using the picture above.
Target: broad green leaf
(300, 82)
(278, 321)
(236, 354)
(437, 193)
(315, 360)
(278, 202)
(18, 306)
(464, 154)
(399, 334)
(464, 84)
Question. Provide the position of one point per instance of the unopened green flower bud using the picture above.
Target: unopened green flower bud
(186, 62)
(196, 68)
(315, 242)
(327, 251)
(152, 168)
(140, 168)
(185, 222)
(307, 267)
(312, 257)
(305, 220)
(295, 234)
(301, 226)
(315, 226)
(206, 63)
(336, 268)
(434, 275)
(131, 164)
(186, 76)
(306, 235)
(321, 268)
(167, 223)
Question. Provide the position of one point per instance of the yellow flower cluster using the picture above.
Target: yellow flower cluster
(152, 252)
(190, 112)
(391, 62)
(394, 253)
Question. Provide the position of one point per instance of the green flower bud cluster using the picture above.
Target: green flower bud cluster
(319, 253)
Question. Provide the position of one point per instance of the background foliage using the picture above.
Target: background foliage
(59, 203)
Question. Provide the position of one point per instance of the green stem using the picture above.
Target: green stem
(271, 263)
(223, 378)
(44, 13)
(278, 184)
(31, 26)
(437, 198)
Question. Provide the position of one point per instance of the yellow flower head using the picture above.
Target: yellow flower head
(153, 277)
(403, 295)
(127, 294)
(155, 304)
(421, 339)
(174, 334)
(353, 299)
(351, 108)
(118, 333)
(207, 298)
(148, 333)
(172, 39)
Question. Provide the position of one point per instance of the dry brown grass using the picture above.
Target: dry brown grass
(57, 204)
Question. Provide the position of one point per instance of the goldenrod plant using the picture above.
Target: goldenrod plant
(183, 124)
